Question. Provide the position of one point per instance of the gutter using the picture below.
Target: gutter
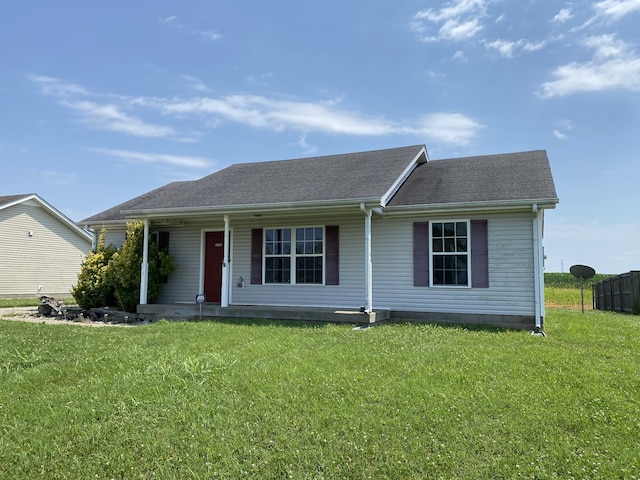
(248, 208)
(490, 206)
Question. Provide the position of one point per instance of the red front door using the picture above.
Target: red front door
(213, 257)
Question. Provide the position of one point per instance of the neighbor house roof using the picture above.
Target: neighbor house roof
(511, 177)
(362, 176)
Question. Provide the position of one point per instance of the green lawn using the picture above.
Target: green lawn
(236, 399)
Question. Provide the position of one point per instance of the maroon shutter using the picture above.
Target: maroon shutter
(332, 273)
(256, 256)
(421, 254)
(479, 254)
(163, 241)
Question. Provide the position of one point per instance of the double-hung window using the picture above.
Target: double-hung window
(294, 255)
(450, 253)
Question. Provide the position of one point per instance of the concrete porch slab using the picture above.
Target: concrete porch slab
(187, 311)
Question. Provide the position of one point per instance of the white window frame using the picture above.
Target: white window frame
(433, 254)
(293, 255)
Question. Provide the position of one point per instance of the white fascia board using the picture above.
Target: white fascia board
(403, 177)
(471, 207)
(247, 209)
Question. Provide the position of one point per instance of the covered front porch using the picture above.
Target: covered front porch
(192, 311)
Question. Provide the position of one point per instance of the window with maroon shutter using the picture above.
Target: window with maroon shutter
(302, 255)
(444, 251)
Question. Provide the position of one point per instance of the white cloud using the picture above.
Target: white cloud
(323, 117)
(123, 114)
(170, 21)
(453, 128)
(457, 31)
(212, 35)
(194, 83)
(102, 116)
(53, 86)
(454, 9)
(508, 48)
(613, 66)
(458, 20)
(304, 145)
(156, 158)
(110, 117)
(559, 135)
(459, 55)
(616, 9)
(563, 16)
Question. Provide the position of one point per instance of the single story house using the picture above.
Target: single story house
(41, 250)
(386, 232)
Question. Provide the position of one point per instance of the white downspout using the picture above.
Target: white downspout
(144, 269)
(541, 264)
(538, 283)
(368, 265)
(224, 302)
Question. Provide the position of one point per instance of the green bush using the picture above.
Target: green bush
(111, 276)
(92, 290)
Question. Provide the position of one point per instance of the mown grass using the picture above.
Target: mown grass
(237, 399)
(19, 302)
(563, 290)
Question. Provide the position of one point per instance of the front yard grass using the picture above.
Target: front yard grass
(264, 399)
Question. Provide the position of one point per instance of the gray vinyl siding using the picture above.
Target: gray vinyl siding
(51, 257)
(510, 244)
(114, 235)
(185, 245)
(348, 294)
(511, 283)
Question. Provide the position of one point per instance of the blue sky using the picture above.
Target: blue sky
(103, 101)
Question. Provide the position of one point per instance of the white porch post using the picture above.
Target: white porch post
(144, 270)
(224, 302)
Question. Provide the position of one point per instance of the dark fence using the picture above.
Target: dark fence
(620, 293)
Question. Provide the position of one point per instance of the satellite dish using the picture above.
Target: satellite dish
(582, 271)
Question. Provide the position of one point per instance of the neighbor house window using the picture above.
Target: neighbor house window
(302, 264)
(450, 253)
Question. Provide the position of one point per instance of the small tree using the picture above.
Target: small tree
(92, 289)
(124, 272)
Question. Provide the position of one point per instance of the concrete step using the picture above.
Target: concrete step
(180, 311)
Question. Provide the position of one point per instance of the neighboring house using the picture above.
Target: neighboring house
(456, 240)
(41, 250)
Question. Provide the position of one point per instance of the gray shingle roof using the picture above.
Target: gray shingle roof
(521, 176)
(6, 199)
(353, 176)
(489, 178)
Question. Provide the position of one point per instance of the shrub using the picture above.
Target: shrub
(111, 276)
(92, 289)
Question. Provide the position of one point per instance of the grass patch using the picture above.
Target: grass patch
(237, 399)
(562, 290)
(19, 302)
